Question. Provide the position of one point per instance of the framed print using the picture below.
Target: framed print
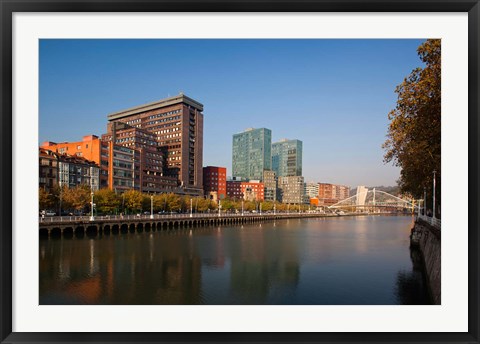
(239, 171)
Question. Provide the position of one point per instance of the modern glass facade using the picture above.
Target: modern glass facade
(287, 158)
(252, 153)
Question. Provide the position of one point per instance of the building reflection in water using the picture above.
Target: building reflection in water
(314, 261)
(119, 270)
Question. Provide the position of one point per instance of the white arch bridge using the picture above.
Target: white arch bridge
(374, 200)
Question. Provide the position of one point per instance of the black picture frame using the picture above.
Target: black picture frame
(9, 7)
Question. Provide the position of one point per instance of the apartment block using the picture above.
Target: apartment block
(74, 170)
(311, 189)
(48, 169)
(291, 189)
(270, 183)
(251, 153)
(129, 158)
(66, 170)
(89, 148)
(329, 194)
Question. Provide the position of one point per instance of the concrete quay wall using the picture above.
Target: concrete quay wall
(427, 239)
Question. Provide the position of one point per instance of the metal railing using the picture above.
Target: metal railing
(433, 221)
(169, 216)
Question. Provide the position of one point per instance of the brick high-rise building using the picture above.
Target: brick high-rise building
(177, 123)
(137, 153)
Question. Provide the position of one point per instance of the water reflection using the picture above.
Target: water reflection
(316, 261)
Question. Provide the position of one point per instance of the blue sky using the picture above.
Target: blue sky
(334, 95)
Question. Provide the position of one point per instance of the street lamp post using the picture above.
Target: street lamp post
(434, 174)
(60, 212)
(191, 207)
(242, 207)
(91, 216)
(424, 201)
(260, 208)
(219, 207)
(151, 206)
(274, 208)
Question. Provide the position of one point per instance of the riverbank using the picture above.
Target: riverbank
(116, 224)
(427, 239)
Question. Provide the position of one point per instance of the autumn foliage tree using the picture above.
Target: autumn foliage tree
(413, 139)
(107, 201)
(133, 200)
(76, 198)
(46, 200)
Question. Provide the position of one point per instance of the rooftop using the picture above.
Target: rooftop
(181, 98)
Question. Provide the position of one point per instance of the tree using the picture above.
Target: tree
(45, 199)
(202, 204)
(413, 139)
(106, 201)
(160, 202)
(76, 198)
(267, 206)
(133, 200)
(227, 205)
(174, 203)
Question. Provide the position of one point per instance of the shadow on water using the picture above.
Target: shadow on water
(411, 286)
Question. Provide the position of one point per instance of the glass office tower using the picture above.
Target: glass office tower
(252, 153)
(287, 158)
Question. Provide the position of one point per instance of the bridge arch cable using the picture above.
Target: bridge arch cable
(373, 198)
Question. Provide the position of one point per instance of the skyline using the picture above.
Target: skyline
(334, 95)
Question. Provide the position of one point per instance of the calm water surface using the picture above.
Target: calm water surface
(335, 261)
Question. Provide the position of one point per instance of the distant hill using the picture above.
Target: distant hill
(393, 190)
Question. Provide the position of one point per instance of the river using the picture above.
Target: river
(362, 260)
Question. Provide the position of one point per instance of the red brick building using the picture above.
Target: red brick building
(234, 189)
(250, 191)
(215, 182)
(253, 191)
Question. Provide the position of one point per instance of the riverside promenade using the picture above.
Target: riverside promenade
(137, 223)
